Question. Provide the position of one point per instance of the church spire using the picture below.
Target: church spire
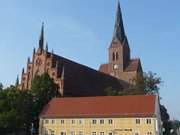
(119, 32)
(41, 39)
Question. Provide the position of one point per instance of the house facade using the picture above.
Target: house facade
(118, 115)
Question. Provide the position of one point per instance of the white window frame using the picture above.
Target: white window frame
(94, 121)
(110, 121)
(93, 133)
(72, 133)
(101, 121)
(138, 121)
(101, 133)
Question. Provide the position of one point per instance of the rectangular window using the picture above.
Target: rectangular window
(93, 133)
(46, 121)
(137, 121)
(149, 133)
(52, 121)
(136, 133)
(80, 132)
(62, 121)
(63, 133)
(148, 121)
(81, 121)
(110, 121)
(101, 133)
(94, 121)
(46, 132)
(110, 133)
(101, 121)
(72, 132)
(73, 121)
(52, 133)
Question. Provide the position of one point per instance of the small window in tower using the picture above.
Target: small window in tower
(113, 56)
(117, 56)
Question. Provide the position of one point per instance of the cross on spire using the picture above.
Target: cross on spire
(119, 32)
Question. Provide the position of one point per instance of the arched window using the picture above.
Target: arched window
(117, 56)
(113, 56)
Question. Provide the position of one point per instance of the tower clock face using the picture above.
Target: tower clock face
(115, 66)
(38, 62)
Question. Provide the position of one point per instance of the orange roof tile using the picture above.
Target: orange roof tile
(105, 106)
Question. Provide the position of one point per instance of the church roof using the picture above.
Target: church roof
(133, 65)
(80, 80)
(104, 68)
(105, 106)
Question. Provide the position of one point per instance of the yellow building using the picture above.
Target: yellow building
(110, 115)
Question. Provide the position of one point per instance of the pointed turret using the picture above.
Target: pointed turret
(28, 60)
(34, 51)
(119, 32)
(22, 71)
(17, 81)
(46, 46)
(41, 39)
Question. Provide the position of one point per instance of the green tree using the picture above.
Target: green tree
(1, 87)
(15, 111)
(43, 90)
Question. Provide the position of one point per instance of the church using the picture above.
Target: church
(74, 79)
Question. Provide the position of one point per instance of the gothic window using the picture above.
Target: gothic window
(117, 56)
(113, 56)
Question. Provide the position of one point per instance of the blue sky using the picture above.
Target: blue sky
(82, 30)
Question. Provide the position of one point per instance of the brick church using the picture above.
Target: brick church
(75, 79)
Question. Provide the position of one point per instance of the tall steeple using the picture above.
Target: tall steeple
(41, 39)
(119, 32)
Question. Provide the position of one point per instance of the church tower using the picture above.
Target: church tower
(119, 52)
(120, 65)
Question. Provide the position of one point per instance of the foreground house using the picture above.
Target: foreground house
(110, 115)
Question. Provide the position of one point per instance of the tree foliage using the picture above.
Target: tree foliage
(43, 89)
(19, 109)
(1, 87)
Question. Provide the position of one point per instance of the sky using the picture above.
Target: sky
(81, 30)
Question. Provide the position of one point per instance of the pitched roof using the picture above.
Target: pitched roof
(105, 106)
(133, 65)
(104, 68)
(81, 80)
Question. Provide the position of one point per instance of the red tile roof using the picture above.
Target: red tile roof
(105, 106)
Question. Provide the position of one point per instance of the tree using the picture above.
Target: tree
(1, 87)
(43, 90)
(15, 111)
